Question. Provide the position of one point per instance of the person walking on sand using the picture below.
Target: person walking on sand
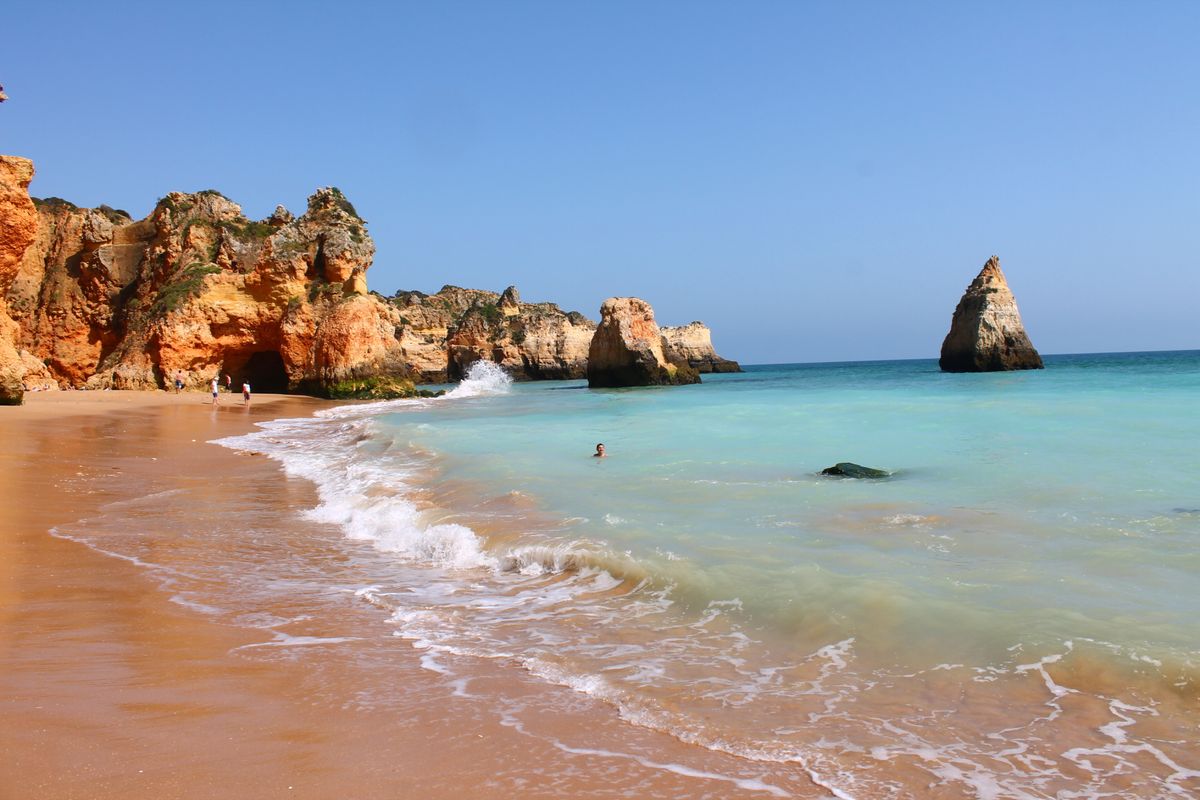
(216, 387)
(178, 381)
(599, 452)
(246, 392)
(228, 383)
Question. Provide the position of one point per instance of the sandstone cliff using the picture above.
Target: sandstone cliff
(443, 334)
(627, 349)
(426, 323)
(18, 229)
(986, 334)
(100, 300)
(198, 288)
(693, 343)
(534, 341)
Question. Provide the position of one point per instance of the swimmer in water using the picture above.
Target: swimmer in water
(599, 451)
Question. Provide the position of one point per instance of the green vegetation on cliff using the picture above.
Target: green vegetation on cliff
(54, 203)
(382, 387)
(247, 229)
(189, 281)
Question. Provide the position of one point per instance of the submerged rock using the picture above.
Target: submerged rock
(627, 349)
(848, 469)
(986, 334)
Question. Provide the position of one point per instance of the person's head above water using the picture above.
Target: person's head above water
(599, 451)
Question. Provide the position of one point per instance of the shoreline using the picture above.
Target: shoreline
(110, 689)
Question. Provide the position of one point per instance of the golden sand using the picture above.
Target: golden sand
(110, 690)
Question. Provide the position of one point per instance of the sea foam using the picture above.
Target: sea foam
(852, 574)
(367, 495)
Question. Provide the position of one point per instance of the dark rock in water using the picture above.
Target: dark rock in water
(846, 469)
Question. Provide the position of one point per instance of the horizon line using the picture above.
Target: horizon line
(935, 358)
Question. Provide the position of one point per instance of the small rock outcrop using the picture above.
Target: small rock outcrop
(693, 343)
(510, 301)
(848, 469)
(627, 349)
(443, 334)
(18, 229)
(986, 334)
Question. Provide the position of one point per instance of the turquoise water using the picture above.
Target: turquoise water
(1012, 613)
(1048, 504)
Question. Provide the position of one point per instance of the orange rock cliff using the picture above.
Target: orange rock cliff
(18, 228)
(629, 349)
(90, 298)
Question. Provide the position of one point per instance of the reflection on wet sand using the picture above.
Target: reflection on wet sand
(111, 690)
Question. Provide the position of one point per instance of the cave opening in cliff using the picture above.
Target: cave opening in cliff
(263, 370)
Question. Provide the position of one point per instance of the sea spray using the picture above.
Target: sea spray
(483, 379)
(365, 491)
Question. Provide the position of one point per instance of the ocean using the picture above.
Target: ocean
(1011, 613)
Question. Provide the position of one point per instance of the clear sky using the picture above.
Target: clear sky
(815, 180)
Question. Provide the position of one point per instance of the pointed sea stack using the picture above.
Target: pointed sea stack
(627, 349)
(986, 334)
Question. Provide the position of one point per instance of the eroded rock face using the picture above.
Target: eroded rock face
(426, 323)
(986, 334)
(198, 288)
(445, 333)
(693, 343)
(63, 293)
(18, 229)
(627, 349)
(100, 300)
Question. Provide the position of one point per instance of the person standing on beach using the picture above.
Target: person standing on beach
(246, 392)
(216, 387)
(178, 381)
(228, 383)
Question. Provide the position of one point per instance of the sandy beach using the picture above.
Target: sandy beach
(110, 689)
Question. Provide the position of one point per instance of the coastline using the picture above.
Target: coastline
(109, 689)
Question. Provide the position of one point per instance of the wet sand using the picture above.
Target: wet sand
(109, 689)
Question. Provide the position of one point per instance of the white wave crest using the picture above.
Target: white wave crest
(483, 379)
(366, 495)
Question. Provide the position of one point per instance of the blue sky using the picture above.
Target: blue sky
(816, 181)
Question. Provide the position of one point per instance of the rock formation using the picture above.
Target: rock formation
(18, 229)
(105, 301)
(848, 469)
(986, 334)
(532, 341)
(627, 349)
(100, 300)
(442, 334)
(693, 343)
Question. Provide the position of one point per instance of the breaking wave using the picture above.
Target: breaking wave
(607, 624)
(483, 379)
